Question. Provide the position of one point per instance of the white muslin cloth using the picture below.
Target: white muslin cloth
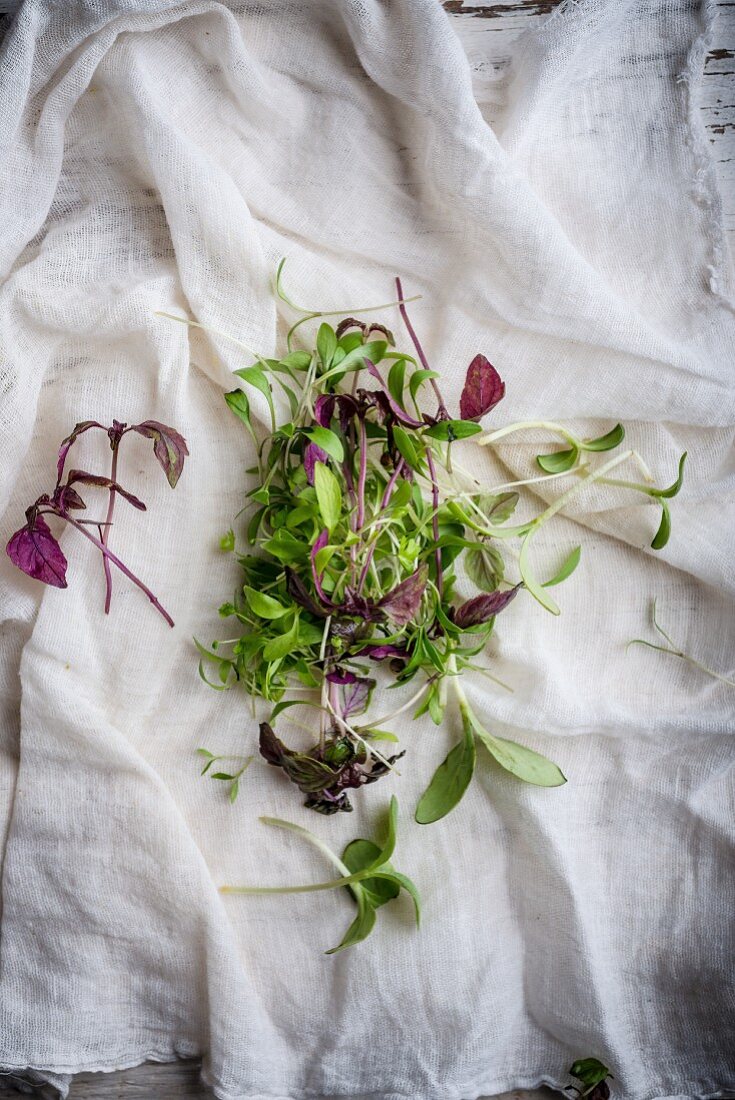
(162, 155)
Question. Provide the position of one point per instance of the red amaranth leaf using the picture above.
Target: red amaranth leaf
(483, 388)
(169, 447)
(481, 608)
(37, 553)
(403, 602)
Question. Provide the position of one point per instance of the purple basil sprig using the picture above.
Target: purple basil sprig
(36, 551)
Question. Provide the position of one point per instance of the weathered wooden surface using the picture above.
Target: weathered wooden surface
(474, 21)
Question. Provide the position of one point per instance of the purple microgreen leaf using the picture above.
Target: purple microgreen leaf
(483, 389)
(341, 676)
(380, 652)
(312, 455)
(168, 446)
(68, 443)
(481, 608)
(356, 696)
(401, 605)
(324, 409)
(104, 483)
(66, 498)
(298, 591)
(399, 413)
(37, 553)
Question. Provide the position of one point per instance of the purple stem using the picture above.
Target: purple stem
(105, 534)
(123, 568)
(362, 476)
(442, 410)
(435, 520)
(383, 506)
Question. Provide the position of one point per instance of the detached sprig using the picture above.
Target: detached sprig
(365, 870)
(34, 548)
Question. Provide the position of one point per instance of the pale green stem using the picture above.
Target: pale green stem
(509, 429)
(380, 722)
(336, 862)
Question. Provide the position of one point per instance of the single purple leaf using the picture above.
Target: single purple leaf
(312, 455)
(403, 602)
(483, 388)
(66, 498)
(355, 604)
(380, 652)
(168, 446)
(324, 409)
(68, 443)
(298, 591)
(104, 483)
(400, 414)
(356, 696)
(341, 676)
(481, 608)
(37, 553)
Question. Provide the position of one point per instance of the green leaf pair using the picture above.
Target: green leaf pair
(559, 462)
(454, 774)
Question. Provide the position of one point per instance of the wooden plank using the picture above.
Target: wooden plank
(173, 1081)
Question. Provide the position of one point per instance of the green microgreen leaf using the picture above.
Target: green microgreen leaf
(484, 566)
(522, 762)
(450, 780)
(326, 344)
(449, 430)
(257, 378)
(407, 448)
(265, 606)
(606, 442)
(558, 461)
(328, 495)
(566, 569)
(227, 542)
(282, 644)
(328, 441)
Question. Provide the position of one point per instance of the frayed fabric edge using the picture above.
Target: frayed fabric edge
(62, 1079)
(705, 184)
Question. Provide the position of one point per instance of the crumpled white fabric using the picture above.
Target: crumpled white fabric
(162, 155)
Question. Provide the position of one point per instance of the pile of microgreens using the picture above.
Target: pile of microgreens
(35, 549)
(358, 525)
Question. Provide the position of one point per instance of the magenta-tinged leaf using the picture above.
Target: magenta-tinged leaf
(403, 602)
(481, 608)
(341, 676)
(168, 446)
(312, 455)
(104, 483)
(380, 652)
(65, 498)
(67, 443)
(36, 552)
(483, 388)
(324, 409)
(356, 696)
(298, 591)
(400, 414)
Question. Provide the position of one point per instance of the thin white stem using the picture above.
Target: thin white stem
(379, 722)
(510, 429)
